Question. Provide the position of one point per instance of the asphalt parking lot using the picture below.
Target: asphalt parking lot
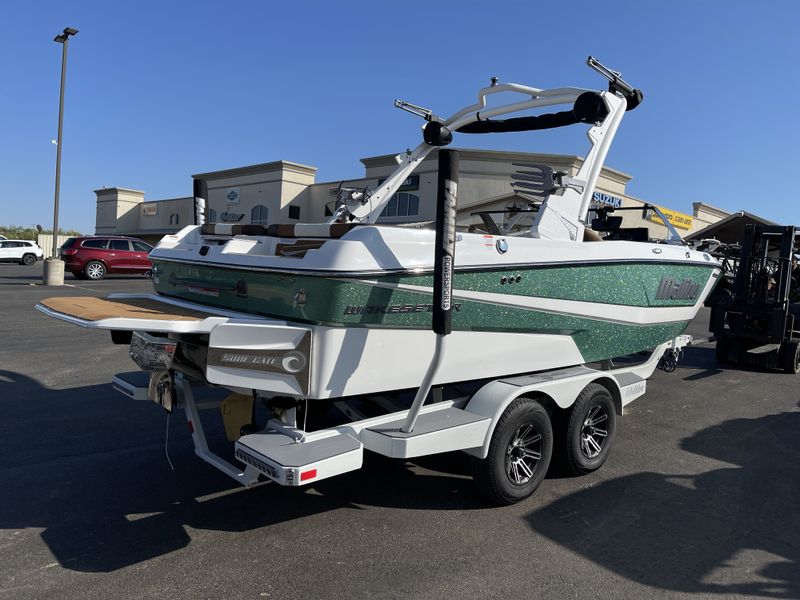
(698, 499)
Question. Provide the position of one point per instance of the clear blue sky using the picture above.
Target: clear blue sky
(157, 91)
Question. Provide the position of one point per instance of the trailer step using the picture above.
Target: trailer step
(290, 462)
(434, 432)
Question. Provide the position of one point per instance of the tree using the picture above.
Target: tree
(17, 232)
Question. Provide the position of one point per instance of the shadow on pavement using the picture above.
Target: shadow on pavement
(694, 533)
(98, 484)
(700, 357)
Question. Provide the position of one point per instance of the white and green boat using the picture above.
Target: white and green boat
(581, 302)
(352, 312)
(351, 303)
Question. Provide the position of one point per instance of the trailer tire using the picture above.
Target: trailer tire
(789, 357)
(519, 453)
(588, 431)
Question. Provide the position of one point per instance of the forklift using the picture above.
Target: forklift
(758, 322)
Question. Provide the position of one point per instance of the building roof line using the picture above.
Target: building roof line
(257, 168)
(117, 189)
(389, 159)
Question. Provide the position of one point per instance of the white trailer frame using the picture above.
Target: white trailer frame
(285, 453)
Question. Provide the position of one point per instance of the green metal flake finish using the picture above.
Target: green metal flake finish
(358, 302)
(610, 283)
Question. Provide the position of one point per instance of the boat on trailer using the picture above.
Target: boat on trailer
(351, 308)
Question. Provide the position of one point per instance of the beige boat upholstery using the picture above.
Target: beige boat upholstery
(281, 230)
(590, 235)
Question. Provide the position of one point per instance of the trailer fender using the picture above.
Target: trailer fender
(555, 390)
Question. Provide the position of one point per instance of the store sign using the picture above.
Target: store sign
(150, 209)
(232, 195)
(602, 199)
(411, 183)
(678, 219)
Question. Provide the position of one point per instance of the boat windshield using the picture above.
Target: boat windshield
(513, 221)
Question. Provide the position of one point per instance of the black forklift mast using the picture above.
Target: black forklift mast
(759, 313)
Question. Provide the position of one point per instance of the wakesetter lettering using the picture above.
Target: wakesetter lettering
(392, 309)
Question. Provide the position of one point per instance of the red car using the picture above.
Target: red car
(93, 257)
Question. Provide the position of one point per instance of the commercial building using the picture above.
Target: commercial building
(286, 192)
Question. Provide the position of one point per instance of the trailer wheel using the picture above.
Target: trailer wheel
(588, 431)
(789, 357)
(519, 453)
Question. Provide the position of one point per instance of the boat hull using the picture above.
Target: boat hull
(605, 309)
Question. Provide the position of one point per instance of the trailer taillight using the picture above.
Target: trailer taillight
(306, 475)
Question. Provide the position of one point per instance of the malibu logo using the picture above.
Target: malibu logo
(671, 289)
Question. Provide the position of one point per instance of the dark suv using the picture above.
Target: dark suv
(93, 257)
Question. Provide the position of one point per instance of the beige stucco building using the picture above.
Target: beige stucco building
(286, 192)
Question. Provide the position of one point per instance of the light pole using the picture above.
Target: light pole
(54, 267)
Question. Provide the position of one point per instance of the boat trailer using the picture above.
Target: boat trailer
(577, 407)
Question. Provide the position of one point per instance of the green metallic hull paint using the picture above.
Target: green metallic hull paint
(615, 283)
(355, 302)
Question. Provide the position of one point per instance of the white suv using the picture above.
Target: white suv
(23, 252)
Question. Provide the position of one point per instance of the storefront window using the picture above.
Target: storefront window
(258, 216)
(402, 204)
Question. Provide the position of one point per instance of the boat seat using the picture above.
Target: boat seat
(281, 230)
(309, 230)
(229, 229)
(589, 235)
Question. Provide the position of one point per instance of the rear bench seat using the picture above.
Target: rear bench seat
(281, 230)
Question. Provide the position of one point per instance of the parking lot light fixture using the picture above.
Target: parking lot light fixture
(54, 268)
(63, 39)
